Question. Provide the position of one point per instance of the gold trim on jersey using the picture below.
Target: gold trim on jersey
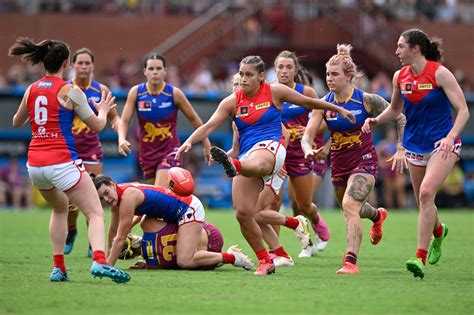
(160, 90)
(347, 99)
(87, 87)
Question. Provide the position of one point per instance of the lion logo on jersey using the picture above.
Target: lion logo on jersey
(78, 126)
(152, 132)
(296, 132)
(348, 140)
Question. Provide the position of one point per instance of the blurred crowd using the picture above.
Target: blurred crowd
(408, 10)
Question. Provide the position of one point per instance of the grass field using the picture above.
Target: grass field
(310, 287)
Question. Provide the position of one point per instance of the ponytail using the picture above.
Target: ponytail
(51, 53)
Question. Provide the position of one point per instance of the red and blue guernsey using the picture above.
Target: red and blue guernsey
(257, 118)
(427, 108)
(350, 147)
(159, 202)
(87, 141)
(157, 116)
(52, 141)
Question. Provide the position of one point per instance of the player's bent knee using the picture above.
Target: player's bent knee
(244, 216)
(185, 262)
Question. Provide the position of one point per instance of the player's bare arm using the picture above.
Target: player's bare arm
(131, 198)
(124, 147)
(185, 106)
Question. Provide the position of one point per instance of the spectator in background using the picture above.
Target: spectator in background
(393, 182)
(16, 185)
(451, 193)
(381, 85)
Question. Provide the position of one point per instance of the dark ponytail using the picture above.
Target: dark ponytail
(100, 179)
(430, 48)
(51, 53)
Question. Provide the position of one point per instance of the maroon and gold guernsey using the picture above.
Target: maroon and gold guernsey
(159, 249)
(352, 151)
(157, 117)
(88, 144)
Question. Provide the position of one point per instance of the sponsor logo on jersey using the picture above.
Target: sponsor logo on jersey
(406, 88)
(165, 105)
(95, 98)
(243, 111)
(356, 112)
(144, 106)
(262, 105)
(331, 116)
(45, 85)
(42, 133)
(425, 86)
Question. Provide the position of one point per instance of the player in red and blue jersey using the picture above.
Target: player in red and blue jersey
(156, 103)
(134, 199)
(256, 110)
(427, 90)
(88, 144)
(53, 164)
(299, 168)
(353, 157)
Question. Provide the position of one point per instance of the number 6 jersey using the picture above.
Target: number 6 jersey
(52, 141)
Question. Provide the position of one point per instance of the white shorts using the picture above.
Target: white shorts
(421, 159)
(274, 180)
(195, 212)
(62, 176)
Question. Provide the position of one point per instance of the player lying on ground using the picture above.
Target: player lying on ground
(129, 199)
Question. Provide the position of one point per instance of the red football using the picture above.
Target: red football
(180, 181)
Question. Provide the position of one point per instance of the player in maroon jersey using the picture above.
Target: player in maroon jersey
(155, 202)
(87, 141)
(158, 244)
(353, 157)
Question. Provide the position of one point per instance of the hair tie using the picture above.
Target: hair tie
(343, 54)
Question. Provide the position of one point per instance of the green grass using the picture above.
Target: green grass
(310, 287)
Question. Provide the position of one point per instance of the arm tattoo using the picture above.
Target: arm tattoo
(359, 189)
(401, 122)
(376, 103)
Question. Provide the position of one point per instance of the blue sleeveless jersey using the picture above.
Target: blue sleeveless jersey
(92, 92)
(159, 202)
(291, 112)
(427, 109)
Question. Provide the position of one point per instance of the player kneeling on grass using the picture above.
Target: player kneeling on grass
(158, 244)
(129, 199)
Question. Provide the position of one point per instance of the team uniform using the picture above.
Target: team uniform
(295, 118)
(352, 151)
(157, 117)
(88, 144)
(162, 203)
(258, 121)
(428, 113)
(320, 166)
(52, 157)
(159, 248)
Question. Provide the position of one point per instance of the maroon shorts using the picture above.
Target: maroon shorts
(320, 167)
(340, 178)
(215, 241)
(298, 167)
(168, 161)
